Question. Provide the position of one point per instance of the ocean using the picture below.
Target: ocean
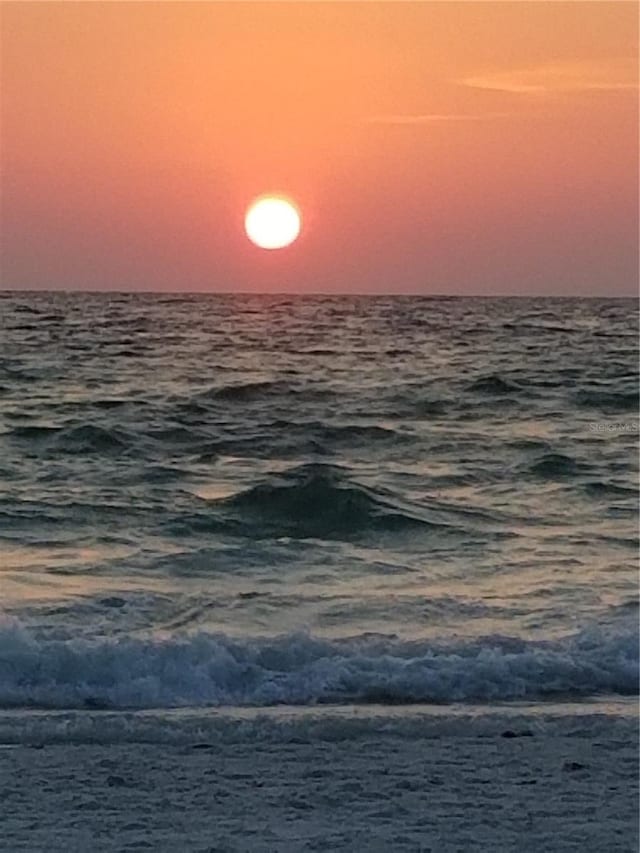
(247, 501)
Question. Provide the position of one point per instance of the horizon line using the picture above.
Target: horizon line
(312, 294)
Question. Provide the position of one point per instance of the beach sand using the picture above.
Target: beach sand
(320, 780)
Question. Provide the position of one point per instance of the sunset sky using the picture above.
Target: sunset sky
(463, 148)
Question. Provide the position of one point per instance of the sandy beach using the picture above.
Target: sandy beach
(331, 780)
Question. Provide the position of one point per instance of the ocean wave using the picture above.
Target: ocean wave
(609, 401)
(541, 328)
(598, 488)
(555, 465)
(282, 439)
(411, 401)
(196, 670)
(319, 500)
(247, 392)
(494, 384)
(26, 309)
(177, 437)
(242, 392)
(344, 433)
(108, 403)
(90, 438)
(33, 432)
(77, 438)
(19, 375)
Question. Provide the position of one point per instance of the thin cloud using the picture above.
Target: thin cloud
(433, 118)
(561, 77)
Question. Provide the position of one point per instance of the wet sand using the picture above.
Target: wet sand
(419, 783)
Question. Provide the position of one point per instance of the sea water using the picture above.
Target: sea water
(250, 500)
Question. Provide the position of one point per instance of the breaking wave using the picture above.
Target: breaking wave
(196, 670)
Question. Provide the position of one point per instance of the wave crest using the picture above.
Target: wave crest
(213, 670)
(609, 401)
(494, 384)
(318, 500)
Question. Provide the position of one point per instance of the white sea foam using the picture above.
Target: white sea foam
(208, 728)
(202, 669)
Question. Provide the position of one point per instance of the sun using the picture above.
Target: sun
(272, 222)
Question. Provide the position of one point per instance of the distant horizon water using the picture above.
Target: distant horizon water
(319, 294)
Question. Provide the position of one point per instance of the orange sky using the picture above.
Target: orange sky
(432, 147)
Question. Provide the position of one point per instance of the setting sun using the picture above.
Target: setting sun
(272, 222)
